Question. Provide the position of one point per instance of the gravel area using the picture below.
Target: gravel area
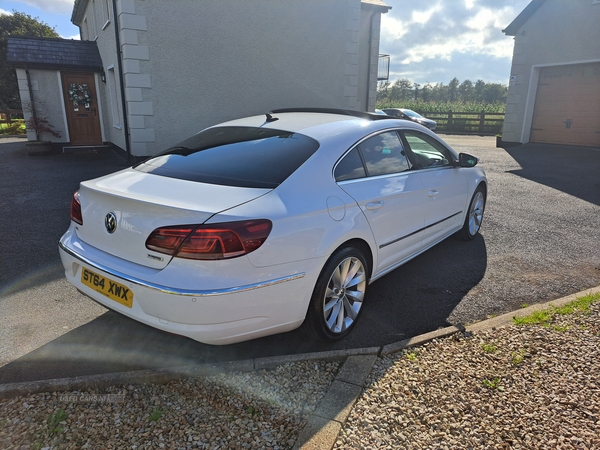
(258, 410)
(517, 387)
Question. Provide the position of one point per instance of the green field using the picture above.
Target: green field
(444, 107)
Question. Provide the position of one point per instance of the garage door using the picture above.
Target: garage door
(567, 105)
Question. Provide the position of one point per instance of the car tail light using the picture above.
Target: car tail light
(214, 241)
(76, 209)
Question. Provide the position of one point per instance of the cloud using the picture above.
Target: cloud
(54, 6)
(3, 12)
(440, 33)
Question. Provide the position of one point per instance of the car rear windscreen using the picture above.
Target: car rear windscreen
(234, 156)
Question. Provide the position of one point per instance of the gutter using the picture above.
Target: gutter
(122, 82)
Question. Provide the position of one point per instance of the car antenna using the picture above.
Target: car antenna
(270, 118)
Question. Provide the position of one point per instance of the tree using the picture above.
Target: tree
(479, 88)
(401, 90)
(426, 92)
(382, 90)
(417, 91)
(466, 91)
(16, 24)
(453, 89)
(495, 93)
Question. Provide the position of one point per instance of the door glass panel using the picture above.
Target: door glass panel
(383, 154)
(80, 97)
(426, 151)
(350, 167)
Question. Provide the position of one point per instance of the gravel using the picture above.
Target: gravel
(257, 410)
(517, 387)
(514, 387)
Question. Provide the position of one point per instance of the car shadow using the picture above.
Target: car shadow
(569, 169)
(416, 298)
(36, 194)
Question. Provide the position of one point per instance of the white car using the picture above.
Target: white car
(268, 223)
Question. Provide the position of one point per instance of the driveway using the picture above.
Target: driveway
(539, 242)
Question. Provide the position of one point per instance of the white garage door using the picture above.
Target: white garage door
(567, 105)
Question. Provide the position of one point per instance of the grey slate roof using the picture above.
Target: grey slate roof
(53, 53)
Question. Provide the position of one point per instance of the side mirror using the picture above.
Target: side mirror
(466, 160)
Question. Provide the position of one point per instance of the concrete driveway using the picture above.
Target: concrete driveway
(539, 242)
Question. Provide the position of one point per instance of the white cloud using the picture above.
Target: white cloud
(441, 39)
(393, 29)
(422, 17)
(55, 6)
(3, 12)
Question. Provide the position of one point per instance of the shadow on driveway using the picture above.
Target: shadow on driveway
(572, 170)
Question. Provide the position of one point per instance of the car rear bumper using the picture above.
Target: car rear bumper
(212, 316)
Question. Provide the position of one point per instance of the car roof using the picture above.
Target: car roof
(318, 122)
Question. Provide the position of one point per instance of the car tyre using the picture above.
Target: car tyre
(337, 299)
(474, 216)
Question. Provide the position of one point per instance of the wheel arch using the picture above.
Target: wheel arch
(364, 247)
(484, 184)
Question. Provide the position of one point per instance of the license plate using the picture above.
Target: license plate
(113, 290)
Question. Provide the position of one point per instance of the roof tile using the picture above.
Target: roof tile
(52, 53)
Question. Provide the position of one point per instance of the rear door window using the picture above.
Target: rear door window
(234, 156)
(382, 154)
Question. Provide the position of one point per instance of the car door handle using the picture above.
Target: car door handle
(432, 193)
(374, 205)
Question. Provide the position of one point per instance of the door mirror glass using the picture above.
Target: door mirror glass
(466, 160)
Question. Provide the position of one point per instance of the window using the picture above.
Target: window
(114, 101)
(234, 156)
(383, 154)
(426, 151)
(350, 167)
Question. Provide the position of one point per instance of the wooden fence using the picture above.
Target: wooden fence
(8, 115)
(484, 123)
(11, 121)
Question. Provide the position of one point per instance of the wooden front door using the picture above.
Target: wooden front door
(81, 105)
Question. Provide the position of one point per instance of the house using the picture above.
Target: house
(148, 73)
(554, 88)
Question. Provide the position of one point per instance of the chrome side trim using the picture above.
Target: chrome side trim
(175, 291)
(418, 231)
(407, 259)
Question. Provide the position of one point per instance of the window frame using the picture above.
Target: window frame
(106, 10)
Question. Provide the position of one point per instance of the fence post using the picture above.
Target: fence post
(449, 119)
(481, 121)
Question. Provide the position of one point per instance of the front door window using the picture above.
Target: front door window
(80, 96)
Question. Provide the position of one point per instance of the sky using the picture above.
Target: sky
(429, 41)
